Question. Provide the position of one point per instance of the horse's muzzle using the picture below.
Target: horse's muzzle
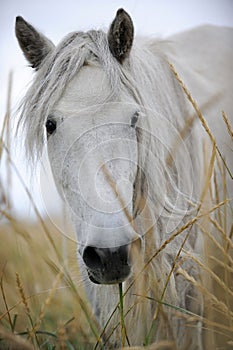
(107, 265)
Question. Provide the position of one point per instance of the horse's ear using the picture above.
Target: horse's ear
(34, 45)
(120, 35)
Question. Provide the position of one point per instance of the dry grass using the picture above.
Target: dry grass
(42, 303)
(39, 301)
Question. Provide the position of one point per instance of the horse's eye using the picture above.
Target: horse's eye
(50, 126)
(134, 120)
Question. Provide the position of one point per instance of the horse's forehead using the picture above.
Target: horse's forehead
(89, 87)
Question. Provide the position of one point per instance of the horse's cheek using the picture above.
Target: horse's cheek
(56, 155)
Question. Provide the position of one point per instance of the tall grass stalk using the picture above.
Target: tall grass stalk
(123, 330)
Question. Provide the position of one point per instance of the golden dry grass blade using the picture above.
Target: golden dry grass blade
(186, 129)
(221, 263)
(22, 293)
(209, 174)
(231, 232)
(220, 306)
(211, 273)
(47, 302)
(229, 243)
(182, 134)
(5, 302)
(200, 116)
(119, 197)
(217, 199)
(228, 125)
(194, 104)
(216, 243)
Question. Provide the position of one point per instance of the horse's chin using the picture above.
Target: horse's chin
(107, 281)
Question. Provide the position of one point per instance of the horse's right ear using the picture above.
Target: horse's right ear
(34, 45)
(120, 35)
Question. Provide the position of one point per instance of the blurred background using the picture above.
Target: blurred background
(55, 19)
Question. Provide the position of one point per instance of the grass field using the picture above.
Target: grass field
(41, 294)
(42, 302)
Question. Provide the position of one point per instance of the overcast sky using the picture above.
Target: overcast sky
(56, 18)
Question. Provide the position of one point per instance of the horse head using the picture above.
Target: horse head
(91, 132)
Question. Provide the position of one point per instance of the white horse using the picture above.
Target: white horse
(114, 116)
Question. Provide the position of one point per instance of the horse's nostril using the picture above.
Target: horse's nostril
(107, 264)
(91, 257)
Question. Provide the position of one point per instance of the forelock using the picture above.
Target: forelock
(52, 78)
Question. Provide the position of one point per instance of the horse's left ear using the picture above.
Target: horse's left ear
(34, 45)
(120, 35)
